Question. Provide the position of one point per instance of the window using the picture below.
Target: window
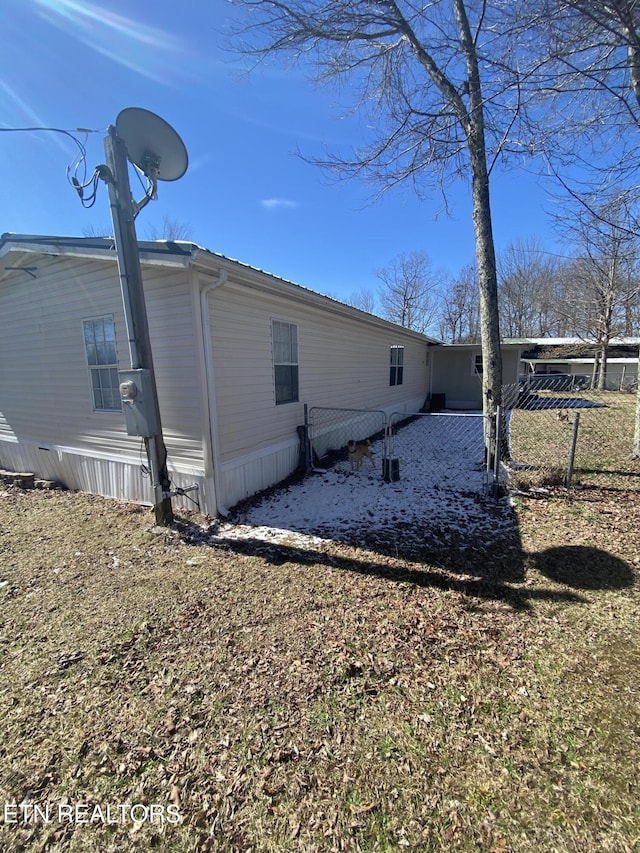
(100, 347)
(285, 361)
(477, 364)
(396, 365)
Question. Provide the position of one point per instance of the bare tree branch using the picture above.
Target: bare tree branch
(440, 81)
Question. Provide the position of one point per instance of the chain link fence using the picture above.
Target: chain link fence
(562, 432)
(449, 447)
(554, 431)
(441, 450)
(331, 429)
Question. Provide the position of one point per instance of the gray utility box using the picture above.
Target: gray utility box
(136, 395)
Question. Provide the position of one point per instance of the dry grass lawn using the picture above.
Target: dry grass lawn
(328, 700)
(542, 441)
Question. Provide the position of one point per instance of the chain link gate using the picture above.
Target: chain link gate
(453, 450)
(330, 430)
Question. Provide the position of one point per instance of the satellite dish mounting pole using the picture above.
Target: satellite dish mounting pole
(122, 217)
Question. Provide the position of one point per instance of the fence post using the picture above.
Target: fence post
(496, 452)
(386, 445)
(307, 441)
(488, 430)
(572, 451)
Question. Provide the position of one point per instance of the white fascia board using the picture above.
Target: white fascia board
(51, 249)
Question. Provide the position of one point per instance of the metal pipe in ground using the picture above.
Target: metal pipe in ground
(572, 451)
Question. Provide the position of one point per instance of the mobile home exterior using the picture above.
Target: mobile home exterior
(456, 374)
(237, 353)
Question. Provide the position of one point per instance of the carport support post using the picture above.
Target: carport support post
(135, 311)
(572, 451)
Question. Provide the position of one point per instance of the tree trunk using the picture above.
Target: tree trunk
(636, 432)
(489, 321)
(473, 124)
(633, 59)
(602, 375)
(595, 371)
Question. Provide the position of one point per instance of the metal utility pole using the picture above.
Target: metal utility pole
(141, 384)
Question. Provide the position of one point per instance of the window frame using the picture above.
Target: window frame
(477, 364)
(280, 362)
(396, 365)
(105, 365)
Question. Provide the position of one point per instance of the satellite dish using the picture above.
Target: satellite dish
(152, 144)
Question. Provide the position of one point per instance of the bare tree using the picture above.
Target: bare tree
(603, 278)
(440, 84)
(587, 91)
(169, 229)
(364, 299)
(97, 231)
(411, 291)
(460, 316)
(631, 289)
(590, 72)
(528, 286)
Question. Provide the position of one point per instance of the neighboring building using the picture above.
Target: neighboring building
(576, 357)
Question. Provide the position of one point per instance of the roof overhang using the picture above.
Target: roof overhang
(178, 253)
(477, 346)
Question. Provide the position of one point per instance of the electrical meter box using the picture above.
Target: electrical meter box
(136, 396)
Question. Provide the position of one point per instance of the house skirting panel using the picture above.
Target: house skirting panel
(100, 474)
(247, 475)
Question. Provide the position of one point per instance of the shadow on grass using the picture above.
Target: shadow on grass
(494, 574)
(623, 473)
(533, 402)
(484, 559)
(582, 567)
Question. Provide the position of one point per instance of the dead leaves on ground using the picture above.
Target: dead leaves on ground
(309, 704)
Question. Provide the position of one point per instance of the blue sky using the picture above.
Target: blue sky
(75, 64)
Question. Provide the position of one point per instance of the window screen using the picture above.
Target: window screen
(100, 348)
(396, 365)
(285, 361)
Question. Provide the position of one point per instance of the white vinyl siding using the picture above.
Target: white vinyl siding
(45, 395)
(455, 375)
(343, 362)
(47, 414)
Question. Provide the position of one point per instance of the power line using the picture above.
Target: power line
(68, 133)
(77, 165)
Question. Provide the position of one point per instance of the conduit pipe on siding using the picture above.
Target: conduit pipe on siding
(212, 403)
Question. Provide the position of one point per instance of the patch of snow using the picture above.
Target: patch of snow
(440, 497)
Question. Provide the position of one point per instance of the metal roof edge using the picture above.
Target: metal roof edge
(205, 258)
(510, 344)
(186, 253)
